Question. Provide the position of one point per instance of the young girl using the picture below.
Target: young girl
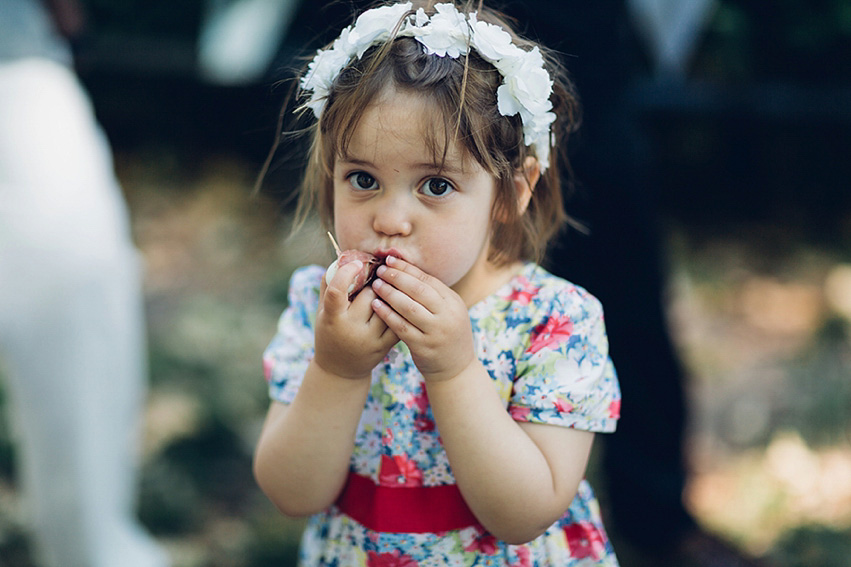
(445, 414)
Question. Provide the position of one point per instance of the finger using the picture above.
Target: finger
(361, 305)
(403, 328)
(406, 306)
(337, 292)
(414, 283)
(323, 285)
(363, 298)
(361, 309)
(387, 336)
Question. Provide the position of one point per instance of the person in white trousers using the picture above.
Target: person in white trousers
(71, 307)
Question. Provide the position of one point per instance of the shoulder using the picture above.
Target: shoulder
(307, 277)
(304, 285)
(545, 293)
(564, 375)
(302, 297)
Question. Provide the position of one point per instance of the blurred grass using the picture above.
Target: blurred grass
(762, 326)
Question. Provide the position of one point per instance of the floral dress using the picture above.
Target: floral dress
(543, 342)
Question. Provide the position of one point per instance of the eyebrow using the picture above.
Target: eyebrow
(448, 166)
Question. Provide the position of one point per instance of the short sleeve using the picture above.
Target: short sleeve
(286, 358)
(564, 376)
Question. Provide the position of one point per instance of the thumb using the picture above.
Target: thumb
(335, 296)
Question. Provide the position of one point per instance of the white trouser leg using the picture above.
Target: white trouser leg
(71, 322)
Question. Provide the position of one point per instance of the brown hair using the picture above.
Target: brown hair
(463, 94)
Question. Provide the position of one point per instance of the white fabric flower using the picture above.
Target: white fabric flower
(446, 33)
(492, 42)
(526, 86)
(375, 26)
(320, 74)
(525, 90)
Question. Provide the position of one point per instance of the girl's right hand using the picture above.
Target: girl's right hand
(351, 339)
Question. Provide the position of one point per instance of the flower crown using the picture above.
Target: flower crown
(526, 85)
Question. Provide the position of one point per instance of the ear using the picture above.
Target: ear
(525, 180)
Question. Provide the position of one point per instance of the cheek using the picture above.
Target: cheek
(454, 251)
(349, 227)
(348, 236)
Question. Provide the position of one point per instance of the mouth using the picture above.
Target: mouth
(382, 254)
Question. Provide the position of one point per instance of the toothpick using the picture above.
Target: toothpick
(334, 242)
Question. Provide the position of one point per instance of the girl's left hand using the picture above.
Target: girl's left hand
(426, 315)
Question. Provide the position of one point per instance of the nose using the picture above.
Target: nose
(393, 216)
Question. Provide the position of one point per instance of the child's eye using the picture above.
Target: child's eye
(437, 187)
(362, 181)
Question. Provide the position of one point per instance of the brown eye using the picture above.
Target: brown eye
(363, 181)
(437, 187)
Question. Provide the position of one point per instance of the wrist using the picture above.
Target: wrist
(459, 372)
(330, 373)
(341, 370)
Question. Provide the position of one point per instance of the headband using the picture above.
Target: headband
(526, 84)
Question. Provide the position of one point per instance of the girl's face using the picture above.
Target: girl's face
(391, 198)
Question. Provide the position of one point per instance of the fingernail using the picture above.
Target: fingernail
(390, 260)
(381, 270)
(377, 284)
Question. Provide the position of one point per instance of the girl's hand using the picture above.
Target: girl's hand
(426, 315)
(350, 338)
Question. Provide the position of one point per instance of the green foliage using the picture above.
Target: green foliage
(814, 546)
(820, 389)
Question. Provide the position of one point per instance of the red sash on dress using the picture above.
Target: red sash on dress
(404, 509)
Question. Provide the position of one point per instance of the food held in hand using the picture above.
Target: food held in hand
(364, 278)
(366, 275)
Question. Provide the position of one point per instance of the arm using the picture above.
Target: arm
(302, 457)
(517, 478)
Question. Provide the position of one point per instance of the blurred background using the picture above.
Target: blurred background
(751, 138)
